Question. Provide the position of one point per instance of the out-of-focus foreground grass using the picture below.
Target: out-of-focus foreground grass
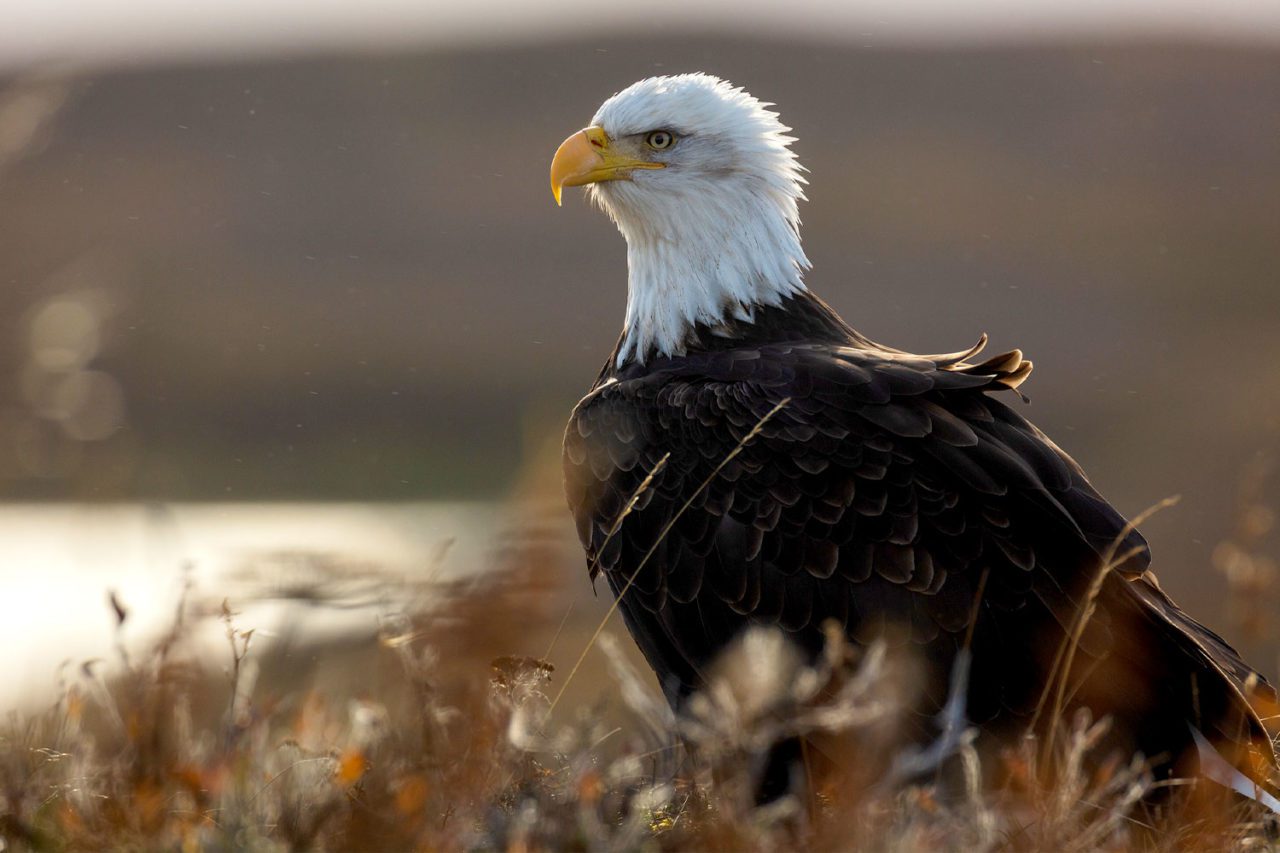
(439, 731)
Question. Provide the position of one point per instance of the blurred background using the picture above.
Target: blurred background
(284, 296)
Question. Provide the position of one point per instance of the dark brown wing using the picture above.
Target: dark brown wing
(886, 492)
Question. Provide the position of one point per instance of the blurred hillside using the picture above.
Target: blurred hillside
(346, 278)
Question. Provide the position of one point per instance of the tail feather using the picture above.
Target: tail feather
(1233, 745)
(1216, 768)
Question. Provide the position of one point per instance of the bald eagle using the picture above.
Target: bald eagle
(892, 493)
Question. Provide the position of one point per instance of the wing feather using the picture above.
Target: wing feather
(891, 490)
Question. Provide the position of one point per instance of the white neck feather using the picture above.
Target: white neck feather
(707, 253)
(713, 234)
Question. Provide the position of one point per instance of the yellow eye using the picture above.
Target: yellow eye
(660, 139)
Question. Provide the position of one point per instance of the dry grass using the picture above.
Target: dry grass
(439, 735)
(459, 752)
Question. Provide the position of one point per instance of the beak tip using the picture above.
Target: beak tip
(577, 161)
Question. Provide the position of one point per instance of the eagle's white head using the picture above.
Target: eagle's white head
(700, 180)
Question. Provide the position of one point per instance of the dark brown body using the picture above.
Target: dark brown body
(895, 495)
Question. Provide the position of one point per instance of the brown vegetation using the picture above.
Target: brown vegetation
(460, 750)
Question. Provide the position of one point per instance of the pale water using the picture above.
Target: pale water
(58, 563)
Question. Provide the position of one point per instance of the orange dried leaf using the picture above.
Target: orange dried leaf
(590, 788)
(1106, 771)
(189, 777)
(411, 795)
(75, 704)
(69, 819)
(133, 726)
(1017, 768)
(925, 801)
(148, 804)
(352, 766)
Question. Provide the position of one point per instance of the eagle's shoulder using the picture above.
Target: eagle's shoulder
(834, 425)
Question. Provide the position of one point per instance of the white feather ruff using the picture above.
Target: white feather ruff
(716, 232)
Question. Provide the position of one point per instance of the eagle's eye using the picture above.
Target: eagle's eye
(660, 139)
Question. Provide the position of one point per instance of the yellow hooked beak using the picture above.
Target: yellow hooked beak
(588, 157)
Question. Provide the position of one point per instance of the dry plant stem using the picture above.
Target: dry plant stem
(613, 530)
(626, 510)
(239, 651)
(617, 600)
(595, 563)
(564, 620)
(1060, 672)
